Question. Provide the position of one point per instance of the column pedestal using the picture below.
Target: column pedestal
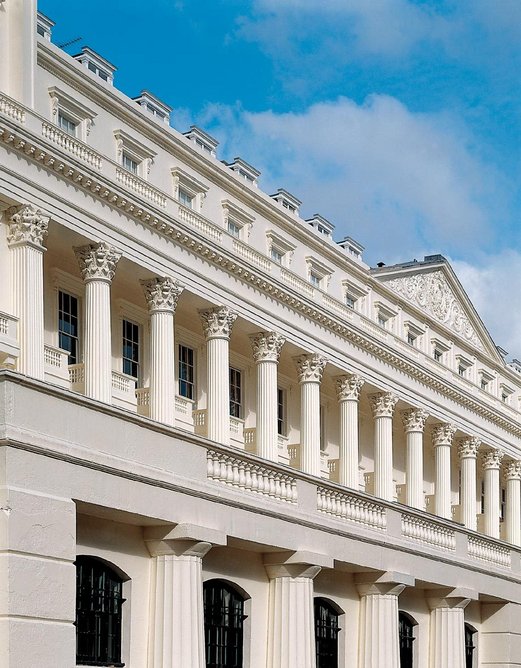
(468, 451)
(413, 423)
(491, 466)
(310, 369)
(513, 510)
(382, 405)
(348, 389)
(442, 435)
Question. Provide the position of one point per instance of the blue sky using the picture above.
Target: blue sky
(399, 120)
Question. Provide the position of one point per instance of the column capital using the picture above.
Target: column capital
(348, 387)
(388, 583)
(450, 598)
(512, 470)
(468, 446)
(161, 294)
(414, 419)
(492, 459)
(300, 564)
(266, 346)
(310, 367)
(383, 404)
(97, 261)
(217, 322)
(26, 225)
(184, 540)
(442, 434)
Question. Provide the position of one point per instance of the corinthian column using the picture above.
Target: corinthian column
(513, 514)
(383, 405)
(161, 295)
(442, 435)
(447, 630)
(348, 389)
(413, 423)
(468, 452)
(26, 228)
(491, 465)
(217, 326)
(98, 266)
(309, 370)
(266, 352)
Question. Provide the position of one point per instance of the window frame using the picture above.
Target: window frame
(234, 369)
(404, 618)
(469, 630)
(197, 190)
(78, 338)
(139, 363)
(275, 242)
(134, 150)
(234, 215)
(239, 631)
(323, 273)
(193, 383)
(62, 103)
(331, 609)
(282, 412)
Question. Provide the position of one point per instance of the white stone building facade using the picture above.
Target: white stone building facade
(225, 440)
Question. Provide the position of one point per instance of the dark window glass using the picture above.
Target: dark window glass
(68, 325)
(469, 646)
(186, 372)
(131, 349)
(98, 613)
(326, 634)
(406, 635)
(281, 412)
(223, 625)
(235, 393)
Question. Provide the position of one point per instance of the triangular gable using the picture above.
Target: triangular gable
(436, 290)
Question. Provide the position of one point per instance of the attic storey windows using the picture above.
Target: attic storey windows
(318, 273)
(279, 249)
(69, 114)
(132, 155)
(236, 220)
(189, 191)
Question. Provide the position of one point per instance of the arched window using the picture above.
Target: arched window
(406, 626)
(98, 613)
(326, 634)
(223, 624)
(470, 632)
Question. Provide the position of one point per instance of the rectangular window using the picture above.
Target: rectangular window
(503, 505)
(66, 124)
(322, 428)
(281, 412)
(382, 321)
(437, 354)
(130, 353)
(411, 339)
(185, 198)
(461, 370)
(129, 163)
(276, 255)
(314, 279)
(186, 373)
(68, 325)
(234, 229)
(235, 393)
(350, 300)
(484, 384)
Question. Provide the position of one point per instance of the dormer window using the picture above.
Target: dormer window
(279, 249)
(154, 106)
(318, 273)
(202, 140)
(352, 248)
(96, 64)
(244, 170)
(188, 190)
(287, 200)
(321, 225)
(44, 26)
(236, 220)
(132, 155)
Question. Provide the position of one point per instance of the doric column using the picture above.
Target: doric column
(26, 228)
(217, 326)
(383, 405)
(413, 423)
(379, 645)
(98, 266)
(176, 626)
(266, 352)
(310, 369)
(161, 295)
(513, 510)
(442, 435)
(291, 624)
(491, 465)
(468, 452)
(447, 630)
(348, 389)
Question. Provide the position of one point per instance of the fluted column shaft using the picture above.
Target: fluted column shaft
(217, 324)
(162, 295)
(468, 450)
(97, 265)
(291, 625)
(348, 389)
(27, 227)
(379, 644)
(513, 509)
(310, 369)
(491, 466)
(266, 351)
(447, 633)
(414, 422)
(383, 405)
(442, 435)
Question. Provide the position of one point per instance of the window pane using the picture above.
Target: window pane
(406, 635)
(129, 163)
(130, 349)
(235, 393)
(68, 325)
(185, 198)
(326, 634)
(281, 412)
(223, 625)
(186, 372)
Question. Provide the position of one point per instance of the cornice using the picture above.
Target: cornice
(97, 185)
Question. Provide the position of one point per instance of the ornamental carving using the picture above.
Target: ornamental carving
(161, 294)
(382, 404)
(414, 419)
(492, 459)
(442, 434)
(512, 470)
(266, 346)
(348, 387)
(468, 446)
(97, 261)
(26, 225)
(432, 294)
(310, 368)
(217, 322)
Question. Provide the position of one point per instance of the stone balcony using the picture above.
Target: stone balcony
(9, 348)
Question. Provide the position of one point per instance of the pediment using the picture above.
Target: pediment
(440, 295)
